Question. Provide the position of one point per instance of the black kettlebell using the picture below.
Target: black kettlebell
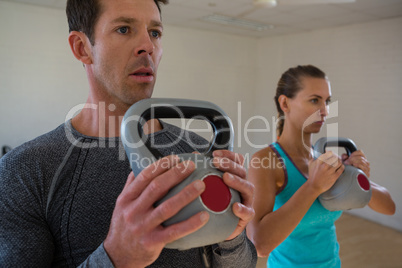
(352, 189)
(217, 199)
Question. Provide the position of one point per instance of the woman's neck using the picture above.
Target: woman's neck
(296, 142)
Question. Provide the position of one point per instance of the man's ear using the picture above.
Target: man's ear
(80, 46)
(284, 103)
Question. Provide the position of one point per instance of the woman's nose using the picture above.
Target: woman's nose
(324, 110)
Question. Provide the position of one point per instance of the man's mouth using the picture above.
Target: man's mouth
(143, 72)
(143, 75)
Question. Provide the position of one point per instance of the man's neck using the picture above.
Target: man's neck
(104, 120)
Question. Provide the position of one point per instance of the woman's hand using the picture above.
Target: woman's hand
(358, 160)
(324, 171)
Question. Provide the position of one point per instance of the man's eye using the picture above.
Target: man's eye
(123, 30)
(156, 34)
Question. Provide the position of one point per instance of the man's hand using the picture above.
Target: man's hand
(136, 236)
(235, 177)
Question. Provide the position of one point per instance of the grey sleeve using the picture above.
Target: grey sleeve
(25, 239)
(98, 258)
(237, 253)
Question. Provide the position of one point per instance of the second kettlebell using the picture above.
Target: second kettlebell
(352, 189)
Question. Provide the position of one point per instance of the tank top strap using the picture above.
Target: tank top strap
(294, 178)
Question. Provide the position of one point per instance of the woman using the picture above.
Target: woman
(290, 224)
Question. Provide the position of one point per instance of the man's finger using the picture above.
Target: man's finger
(244, 187)
(227, 165)
(235, 157)
(173, 205)
(181, 229)
(135, 186)
(160, 185)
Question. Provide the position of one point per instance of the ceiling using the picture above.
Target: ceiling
(289, 16)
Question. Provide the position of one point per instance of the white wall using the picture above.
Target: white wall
(364, 65)
(210, 66)
(40, 81)
(39, 78)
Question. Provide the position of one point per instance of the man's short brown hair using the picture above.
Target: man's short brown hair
(82, 15)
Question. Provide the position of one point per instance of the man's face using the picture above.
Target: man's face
(127, 51)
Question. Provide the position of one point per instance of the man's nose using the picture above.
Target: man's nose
(145, 44)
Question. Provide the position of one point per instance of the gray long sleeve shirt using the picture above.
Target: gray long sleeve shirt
(57, 195)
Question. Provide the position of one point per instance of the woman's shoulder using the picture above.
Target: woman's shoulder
(265, 153)
(266, 170)
(267, 159)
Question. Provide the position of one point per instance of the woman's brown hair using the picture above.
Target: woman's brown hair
(290, 84)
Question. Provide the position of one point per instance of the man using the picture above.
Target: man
(66, 198)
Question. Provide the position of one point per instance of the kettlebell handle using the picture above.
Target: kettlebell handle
(322, 143)
(139, 113)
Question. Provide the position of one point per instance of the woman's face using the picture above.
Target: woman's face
(309, 108)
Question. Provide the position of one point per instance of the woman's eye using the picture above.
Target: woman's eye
(123, 30)
(314, 101)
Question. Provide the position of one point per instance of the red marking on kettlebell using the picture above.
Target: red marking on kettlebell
(363, 182)
(216, 196)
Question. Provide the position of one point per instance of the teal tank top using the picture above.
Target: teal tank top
(313, 243)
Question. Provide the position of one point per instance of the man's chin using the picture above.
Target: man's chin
(140, 96)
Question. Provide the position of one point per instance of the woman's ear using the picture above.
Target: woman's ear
(284, 103)
(80, 46)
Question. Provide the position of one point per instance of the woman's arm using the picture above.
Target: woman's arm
(270, 228)
(381, 200)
